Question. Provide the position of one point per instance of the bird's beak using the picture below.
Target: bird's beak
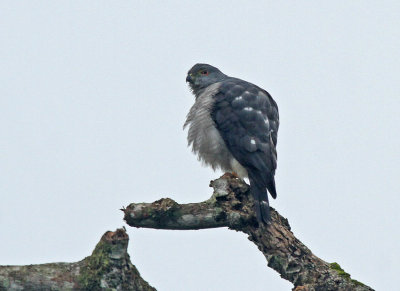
(189, 78)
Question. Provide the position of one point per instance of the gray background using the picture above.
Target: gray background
(92, 102)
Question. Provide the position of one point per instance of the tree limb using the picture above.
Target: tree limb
(231, 206)
(109, 267)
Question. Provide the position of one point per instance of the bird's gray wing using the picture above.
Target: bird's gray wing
(247, 118)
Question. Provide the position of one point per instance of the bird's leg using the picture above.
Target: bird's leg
(231, 175)
(235, 174)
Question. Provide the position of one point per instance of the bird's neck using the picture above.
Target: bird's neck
(198, 92)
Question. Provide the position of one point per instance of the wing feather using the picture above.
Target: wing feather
(247, 119)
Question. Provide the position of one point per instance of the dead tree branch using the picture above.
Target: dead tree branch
(231, 206)
(108, 268)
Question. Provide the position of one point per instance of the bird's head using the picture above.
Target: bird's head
(200, 76)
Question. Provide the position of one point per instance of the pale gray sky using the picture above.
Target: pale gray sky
(92, 102)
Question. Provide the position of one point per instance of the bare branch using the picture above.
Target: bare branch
(109, 267)
(231, 206)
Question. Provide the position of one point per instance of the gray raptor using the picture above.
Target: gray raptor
(233, 125)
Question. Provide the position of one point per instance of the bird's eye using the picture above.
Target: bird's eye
(204, 73)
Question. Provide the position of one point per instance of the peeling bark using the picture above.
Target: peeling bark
(231, 206)
(109, 267)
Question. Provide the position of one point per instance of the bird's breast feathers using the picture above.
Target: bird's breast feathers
(203, 136)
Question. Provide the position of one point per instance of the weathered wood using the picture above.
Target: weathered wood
(232, 206)
(109, 267)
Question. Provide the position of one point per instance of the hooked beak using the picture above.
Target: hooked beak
(189, 78)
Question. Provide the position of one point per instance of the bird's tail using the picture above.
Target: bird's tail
(261, 204)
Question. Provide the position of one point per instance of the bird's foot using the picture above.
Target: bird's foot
(231, 175)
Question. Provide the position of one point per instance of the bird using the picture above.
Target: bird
(233, 126)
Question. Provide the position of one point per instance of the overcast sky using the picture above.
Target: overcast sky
(92, 103)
